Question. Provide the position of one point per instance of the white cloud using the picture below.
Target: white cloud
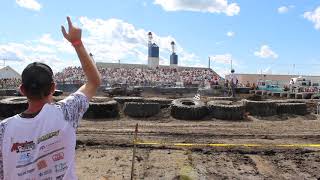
(314, 17)
(109, 40)
(230, 33)
(29, 4)
(266, 52)
(210, 6)
(283, 9)
(114, 39)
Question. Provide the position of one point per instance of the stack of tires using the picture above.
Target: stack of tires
(261, 108)
(226, 110)
(292, 107)
(188, 109)
(102, 110)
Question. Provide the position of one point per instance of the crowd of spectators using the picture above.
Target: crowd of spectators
(10, 83)
(142, 76)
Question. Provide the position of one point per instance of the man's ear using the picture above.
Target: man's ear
(53, 88)
(22, 90)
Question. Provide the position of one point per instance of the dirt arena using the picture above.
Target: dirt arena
(104, 148)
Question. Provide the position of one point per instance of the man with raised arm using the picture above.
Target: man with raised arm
(40, 142)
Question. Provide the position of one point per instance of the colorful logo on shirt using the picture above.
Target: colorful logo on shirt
(25, 158)
(47, 147)
(61, 167)
(58, 156)
(42, 164)
(26, 172)
(23, 147)
(48, 136)
(46, 172)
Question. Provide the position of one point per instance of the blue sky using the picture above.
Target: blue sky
(269, 36)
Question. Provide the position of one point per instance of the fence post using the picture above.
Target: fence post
(134, 150)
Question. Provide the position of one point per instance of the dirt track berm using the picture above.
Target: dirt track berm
(12, 106)
(226, 110)
(102, 110)
(141, 109)
(188, 109)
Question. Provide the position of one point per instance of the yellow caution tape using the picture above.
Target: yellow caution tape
(229, 145)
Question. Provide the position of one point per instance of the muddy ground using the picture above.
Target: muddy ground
(105, 148)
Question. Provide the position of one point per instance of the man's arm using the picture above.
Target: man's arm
(88, 66)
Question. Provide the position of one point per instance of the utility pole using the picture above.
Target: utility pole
(209, 62)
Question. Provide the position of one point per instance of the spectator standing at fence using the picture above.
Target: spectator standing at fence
(233, 82)
(40, 142)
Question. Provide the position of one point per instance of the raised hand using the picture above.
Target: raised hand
(74, 34)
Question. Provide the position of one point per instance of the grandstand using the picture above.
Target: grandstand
(141, 75)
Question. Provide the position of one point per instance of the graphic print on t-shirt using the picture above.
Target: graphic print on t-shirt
(44, 155)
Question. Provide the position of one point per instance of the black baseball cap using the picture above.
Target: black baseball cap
(37, 79)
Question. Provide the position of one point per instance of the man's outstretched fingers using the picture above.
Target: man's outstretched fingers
(69, 22)
(64, 32)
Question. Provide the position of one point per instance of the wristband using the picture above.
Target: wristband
(76, 43)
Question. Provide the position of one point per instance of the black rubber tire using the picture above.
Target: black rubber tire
(226, 110)
(12, 106)
(123, 99)
(292, 108)
(140, 109)
(315, 96)
(102, 110)
(181, 110)
(164, 103)
(261, 108)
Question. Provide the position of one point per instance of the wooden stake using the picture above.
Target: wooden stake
(134, 150)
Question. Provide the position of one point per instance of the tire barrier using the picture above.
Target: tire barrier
(12, 106)
(243, 90)
(122, 100)
(315, 96)
(101, 110)
(188, 109)
(298, 96)
(276, 94)
(164, 103)
(291, 95)
(259, 92)
(307, 95)
(284, 95)
(261, 108)
(292, 108)
(140, 109)
(226, 110)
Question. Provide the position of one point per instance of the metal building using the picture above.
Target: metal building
(153, 52)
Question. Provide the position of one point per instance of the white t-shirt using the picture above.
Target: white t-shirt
(42, 147)
(233, 78)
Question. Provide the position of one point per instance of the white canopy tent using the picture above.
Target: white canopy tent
(7, 73)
